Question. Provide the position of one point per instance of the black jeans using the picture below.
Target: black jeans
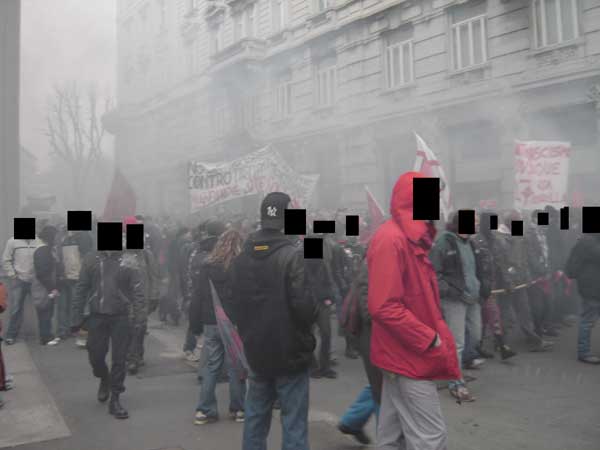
(135, 354)
(102, 329)
(541, 307)
(324, 324)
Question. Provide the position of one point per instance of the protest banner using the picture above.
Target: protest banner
(260, 172)
(541, 174)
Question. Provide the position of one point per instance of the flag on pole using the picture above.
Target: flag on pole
(121, 200)
(376, 217)
(428, 164)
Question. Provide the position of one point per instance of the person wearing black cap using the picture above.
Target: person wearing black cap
(274, 316)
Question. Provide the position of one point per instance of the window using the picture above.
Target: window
(251, 20)
(221, 120)
(249, 112)
(279, 14)
(322, 5)
(244, 23)
(238, 27)
(162, 7)
(282, 100)
(399, 64)
(554, 21)
(217, 38)
(325, 85)
(192, 5)
(469, 43)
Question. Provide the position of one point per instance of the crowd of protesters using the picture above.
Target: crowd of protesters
(418, 304)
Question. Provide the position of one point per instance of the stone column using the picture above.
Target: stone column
(10, 21)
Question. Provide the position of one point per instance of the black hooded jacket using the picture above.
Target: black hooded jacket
(272, 306)
(584, 265)
(201, 306)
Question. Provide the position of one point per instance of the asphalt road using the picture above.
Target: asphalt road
(543, 401)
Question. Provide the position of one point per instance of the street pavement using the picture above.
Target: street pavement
(537, 401)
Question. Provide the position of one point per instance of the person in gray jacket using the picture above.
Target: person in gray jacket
(17, 262)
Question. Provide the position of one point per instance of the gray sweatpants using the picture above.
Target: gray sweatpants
(410, 417)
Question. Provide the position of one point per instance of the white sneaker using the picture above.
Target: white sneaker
(191, 356)
(54, 342)
(81, 342)
(238, 416)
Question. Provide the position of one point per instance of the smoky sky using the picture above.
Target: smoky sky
(62, 40)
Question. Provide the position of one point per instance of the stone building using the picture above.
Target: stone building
(339, 86)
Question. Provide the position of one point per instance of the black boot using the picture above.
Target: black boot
(104, 389)
(505, 351)
(115, 408)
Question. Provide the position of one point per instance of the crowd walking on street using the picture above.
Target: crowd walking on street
(419, 302)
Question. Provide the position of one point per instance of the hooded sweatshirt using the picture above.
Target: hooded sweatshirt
(17, 259)
(404, 301)
(272, 305)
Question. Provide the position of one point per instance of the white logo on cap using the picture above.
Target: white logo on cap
(272, 211)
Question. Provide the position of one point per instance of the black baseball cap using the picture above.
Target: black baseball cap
(272, 210)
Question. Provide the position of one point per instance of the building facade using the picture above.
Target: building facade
(339, 87)
(10, 22)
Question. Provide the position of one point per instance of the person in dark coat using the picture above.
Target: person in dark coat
(44, 288)
(216, 270)
(3, 305)
(584, 266)
(109, 302)
(274, 315)
(367, 403)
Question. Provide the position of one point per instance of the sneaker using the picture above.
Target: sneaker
(475, 363)
(461, 393)
(9, 341)
(237, 416)
(191, 356)
(591, 359)
(359, 435)
(54, 342)
(81, 342)
(543, 346)
(203, 419)
(551, 332)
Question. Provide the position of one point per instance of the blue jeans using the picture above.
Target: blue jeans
(358, 414)
(19, 291)
(216, 358)
(190, 341)
(470, 351)
(292, 392)
(63, 308)
(590, 312)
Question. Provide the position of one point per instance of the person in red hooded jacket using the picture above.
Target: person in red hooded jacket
(410, 342)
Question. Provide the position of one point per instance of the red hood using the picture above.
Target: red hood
(401, 209)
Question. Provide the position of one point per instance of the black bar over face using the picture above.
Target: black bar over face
(493, 222)
(313, 248)
(564, 218)
(24, 228)
(79, 220)
(466, 221)
(590, 219)
(352, 226)
(543, 218)
(134, 236)
(426, 199)
(324, 226)
(294, 222)
(110, 236)
(516, 228)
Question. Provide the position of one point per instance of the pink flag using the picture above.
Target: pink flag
(428, 164)
(376, 217)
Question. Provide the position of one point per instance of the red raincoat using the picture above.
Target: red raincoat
(404, 300)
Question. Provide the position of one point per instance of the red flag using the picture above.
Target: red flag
(121, 199)
(376, 217)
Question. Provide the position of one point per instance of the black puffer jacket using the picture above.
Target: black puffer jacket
(201, 307)
(584, 266)
(110, 284)
(484, 265)
(273, 307)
